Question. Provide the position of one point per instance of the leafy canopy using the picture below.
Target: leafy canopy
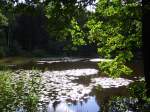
(115, 28)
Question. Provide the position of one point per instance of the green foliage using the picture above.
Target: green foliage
(18, 91)
(77, 33)
(58, 20)
(49, 10)
(95, 31)
(137, 89)
(123, 104)
(116, 29)
(3, 23)
(137, 102)
(114, 68)
(3, 19)
(3, 67)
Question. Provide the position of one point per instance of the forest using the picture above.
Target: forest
(65, 55)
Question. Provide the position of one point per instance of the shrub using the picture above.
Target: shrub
(18, 91)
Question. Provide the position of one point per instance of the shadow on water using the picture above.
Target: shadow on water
(103, 96)
(99, 97)
(54, 66)
(97, 102)
(85, 80)
(87, 106)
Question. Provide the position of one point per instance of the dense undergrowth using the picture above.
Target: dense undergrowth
(137, 101)
(18, 91)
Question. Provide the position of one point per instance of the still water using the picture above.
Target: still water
(75, 85)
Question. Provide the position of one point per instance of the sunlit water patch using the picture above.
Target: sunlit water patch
(60, 86)
(65, 86)
(99, 60)
(72, 72)
(68, 59)
(72, 84)
(106, 82)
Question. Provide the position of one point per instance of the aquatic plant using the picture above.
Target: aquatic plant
(137, 102)
(18, 91)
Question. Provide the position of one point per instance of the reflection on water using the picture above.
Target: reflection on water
(21, 109)
(68, 86)
(61, 107)
(87, 106)
(103, 96)
(75, 84)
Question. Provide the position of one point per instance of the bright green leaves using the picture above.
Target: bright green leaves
(111, 11)
(49, 10)
(116, 27)
(114, 68)
(79, 41)
(95, 31)
(124, 56)
(108, 8)
(76, 33)
(18, 90)
(116, 33)
(3, 19)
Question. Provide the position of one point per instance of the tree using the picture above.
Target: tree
(116, 29)
(61, 19)
(3, 26)
(146, 24)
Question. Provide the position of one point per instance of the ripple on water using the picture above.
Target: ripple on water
(62, 83)
(59, 86)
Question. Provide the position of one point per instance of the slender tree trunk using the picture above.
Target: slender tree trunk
(146, 43)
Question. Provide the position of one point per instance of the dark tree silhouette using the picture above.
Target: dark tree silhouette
(146, 51)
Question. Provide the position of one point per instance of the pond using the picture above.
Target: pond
(74, 84)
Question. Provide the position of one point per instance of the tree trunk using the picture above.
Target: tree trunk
(146, 33)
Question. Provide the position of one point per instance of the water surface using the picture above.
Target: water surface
(74, 85)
